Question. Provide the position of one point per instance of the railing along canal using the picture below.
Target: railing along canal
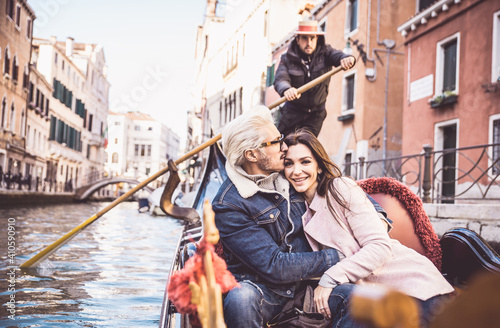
(464, 175)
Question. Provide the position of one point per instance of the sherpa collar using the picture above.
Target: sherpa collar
(247, 185)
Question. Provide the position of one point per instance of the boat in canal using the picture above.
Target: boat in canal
(464, 253)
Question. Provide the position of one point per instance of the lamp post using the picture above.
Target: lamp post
(389, 44)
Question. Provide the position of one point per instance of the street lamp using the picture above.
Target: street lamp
(389, 44)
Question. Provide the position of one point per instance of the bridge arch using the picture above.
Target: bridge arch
(85, 192)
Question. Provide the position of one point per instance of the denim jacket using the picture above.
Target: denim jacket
(263, 238)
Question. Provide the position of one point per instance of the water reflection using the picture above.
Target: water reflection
(112, 274)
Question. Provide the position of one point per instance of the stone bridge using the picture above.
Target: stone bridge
(84, 192)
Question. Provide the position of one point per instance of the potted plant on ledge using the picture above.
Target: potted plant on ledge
(446, 98)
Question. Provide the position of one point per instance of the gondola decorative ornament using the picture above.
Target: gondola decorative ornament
(198, 287)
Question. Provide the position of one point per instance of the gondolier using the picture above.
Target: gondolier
(307, 58)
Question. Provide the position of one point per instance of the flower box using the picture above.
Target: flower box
(442, 101)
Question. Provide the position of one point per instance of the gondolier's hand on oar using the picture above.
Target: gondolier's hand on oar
(347, 63)
(291, 94)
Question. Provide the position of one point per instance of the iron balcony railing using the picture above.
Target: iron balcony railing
(459, 175)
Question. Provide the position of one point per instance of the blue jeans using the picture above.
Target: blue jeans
(338, 302)
(253, 305)
(432, 307)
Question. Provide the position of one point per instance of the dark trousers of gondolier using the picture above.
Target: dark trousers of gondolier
(292, 118)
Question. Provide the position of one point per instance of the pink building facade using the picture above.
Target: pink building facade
(452, 90)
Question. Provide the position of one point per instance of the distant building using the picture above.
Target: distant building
(16, 32)
(38, 130)
(78, 111)
(233, 51)
(139, 146)
(452, 90)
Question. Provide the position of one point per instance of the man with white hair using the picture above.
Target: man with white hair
(259, 218)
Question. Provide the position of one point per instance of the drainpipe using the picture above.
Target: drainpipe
(27, 98)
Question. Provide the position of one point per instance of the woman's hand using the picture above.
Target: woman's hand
(321, 296)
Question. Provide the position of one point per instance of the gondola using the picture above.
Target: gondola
(464, 253)
(213, 176)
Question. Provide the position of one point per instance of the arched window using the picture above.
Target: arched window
(15, 69)
(4, 108)
(25, 77)
(114, 158)
(12, 117)
(6, 63)
(23, 117)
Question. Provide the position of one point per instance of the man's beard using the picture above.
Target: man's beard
(265, 164)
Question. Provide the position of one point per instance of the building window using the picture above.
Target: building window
(137, 128)
(136, 150)
(495, 139)
(9, 9)
(447, 63)
(347, 164)
(114, 158)
(116, 141)
(25, 77)
(351, 16)
(15, 69)
(150, 128)
(6, 63)
(18, 16)
(91, 118)
(55, 58)
(348, 86)
(28, 28)
(4, 108)
(495, 68)
(117, 123)
(143, 150)
(322, 25)
(23, 116)
(12, 117)
(423, 4)
(149, 150)
(450, 66)
(270, 75)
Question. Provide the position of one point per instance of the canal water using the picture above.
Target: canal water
(112, 274)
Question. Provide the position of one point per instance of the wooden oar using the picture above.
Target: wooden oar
(64, 239)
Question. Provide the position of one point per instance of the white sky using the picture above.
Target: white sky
(148, 46)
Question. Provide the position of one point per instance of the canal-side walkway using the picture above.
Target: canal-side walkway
(12, 198)
(483, 219)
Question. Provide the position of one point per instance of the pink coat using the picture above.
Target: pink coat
(371, 255)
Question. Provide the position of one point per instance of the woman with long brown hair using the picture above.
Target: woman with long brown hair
(340, 216)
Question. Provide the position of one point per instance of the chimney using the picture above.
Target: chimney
(211, 5)
(53, 40)
(69, 46)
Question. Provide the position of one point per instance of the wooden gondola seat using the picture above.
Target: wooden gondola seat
(411, 225)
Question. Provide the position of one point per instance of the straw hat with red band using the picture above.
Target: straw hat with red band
(309, 28)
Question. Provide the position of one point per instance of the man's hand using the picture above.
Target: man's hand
(291, 94)
(347, 63)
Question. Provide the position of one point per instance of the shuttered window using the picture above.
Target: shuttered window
(450, 66)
